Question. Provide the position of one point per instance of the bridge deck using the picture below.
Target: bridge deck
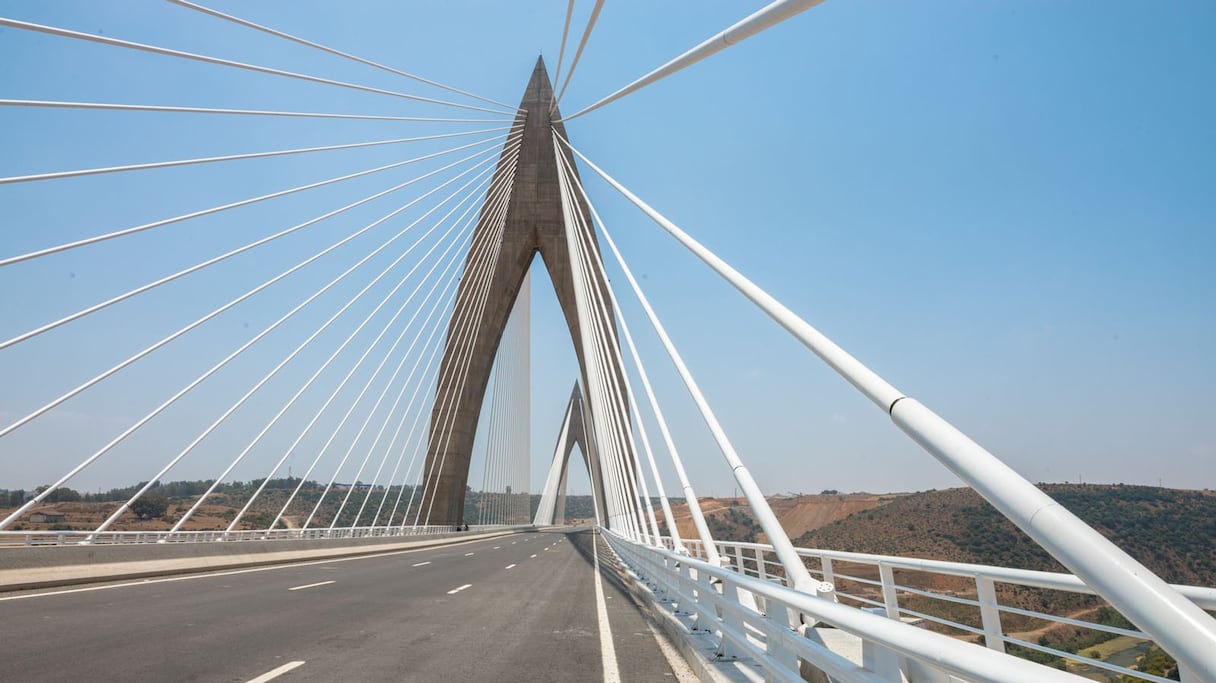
(382, 618)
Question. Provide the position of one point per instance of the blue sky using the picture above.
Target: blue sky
(1005, 209)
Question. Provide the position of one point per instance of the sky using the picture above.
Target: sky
(1003, 208)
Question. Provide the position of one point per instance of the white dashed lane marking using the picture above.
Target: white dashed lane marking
(275, 673)
(508, 566)
(457, 590)
(421, 564)
(310, 585)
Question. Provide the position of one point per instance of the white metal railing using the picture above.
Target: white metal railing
(868, 584)
(32, 538)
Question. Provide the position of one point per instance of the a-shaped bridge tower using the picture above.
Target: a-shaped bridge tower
(533, 225)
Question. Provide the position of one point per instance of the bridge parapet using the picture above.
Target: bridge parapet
(874, 633)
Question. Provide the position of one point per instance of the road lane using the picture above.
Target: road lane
(426, 615)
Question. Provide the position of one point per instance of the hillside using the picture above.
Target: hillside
(1171, 531)
(731, 518)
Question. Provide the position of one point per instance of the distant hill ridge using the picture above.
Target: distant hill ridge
(1171, 531)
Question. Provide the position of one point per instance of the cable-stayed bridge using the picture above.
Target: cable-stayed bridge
(352, 335)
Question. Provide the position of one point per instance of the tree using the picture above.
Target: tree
(149, 506)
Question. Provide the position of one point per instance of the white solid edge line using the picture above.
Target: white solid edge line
(311, 585)
(607, 650)
(275, 673)
(457, 590)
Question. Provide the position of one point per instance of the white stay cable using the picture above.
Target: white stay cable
(523, 435)
(476, 270)
(427, 388)
(513, 397)
(511, 147)
(493, 432)
(358, 363)
(471, 323)
(365, 259)
(496, 218)
(561, 52)
(582, 43)
(520, 395)
(448, 409)
(1163, 613)
(619, 517)
(332, 51)
(168, 108)
(56, 31)
(434, 227)
(795, 570)
(497, 448)
(392, 410)
(482, 510)
(619, 429)
(367, 421)
(338, 389)
(690, 495)
(244, 202)
(424, 386)
(770, 15)
(613, 348)
(232, 409)
(215, 368)
(77, 173)
(216, 259)
(234, 302)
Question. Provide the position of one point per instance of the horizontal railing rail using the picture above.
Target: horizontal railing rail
(882, 592)
(73, 537)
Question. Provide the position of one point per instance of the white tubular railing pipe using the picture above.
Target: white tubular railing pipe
(1182, 628)
(966, 660)
(1202, 596)
(766, 17)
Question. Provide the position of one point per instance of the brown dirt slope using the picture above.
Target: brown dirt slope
(731, 519)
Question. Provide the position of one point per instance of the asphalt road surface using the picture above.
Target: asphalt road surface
(514, 608)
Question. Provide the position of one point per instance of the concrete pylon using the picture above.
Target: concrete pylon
(572, 433)
(533, 226)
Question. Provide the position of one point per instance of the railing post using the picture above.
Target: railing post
(990, 614)
(829, 574)
(889, 599)
(731, 617)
